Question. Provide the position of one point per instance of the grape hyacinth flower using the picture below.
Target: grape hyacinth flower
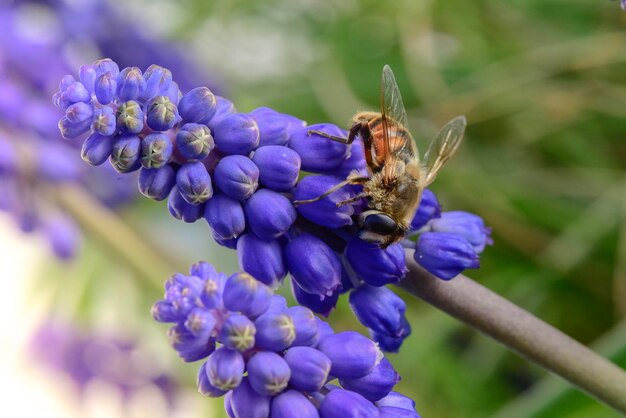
(241, 172)
(35, 161)
(268, 360)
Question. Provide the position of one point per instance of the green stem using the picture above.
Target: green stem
(521, 332)
(145, 259)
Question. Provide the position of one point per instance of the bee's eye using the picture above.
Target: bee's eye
(379, 223)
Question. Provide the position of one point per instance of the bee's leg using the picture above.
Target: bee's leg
(353, 180)
(351, 134)
(352, 199)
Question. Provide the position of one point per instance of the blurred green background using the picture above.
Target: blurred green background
(542, 85)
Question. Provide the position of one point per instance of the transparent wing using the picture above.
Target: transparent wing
(443, 147)
(394, 119)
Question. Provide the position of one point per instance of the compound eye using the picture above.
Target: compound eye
(380, 224)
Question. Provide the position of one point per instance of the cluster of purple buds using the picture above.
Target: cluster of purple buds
(88, 355)
(270, 360)
(241, 172)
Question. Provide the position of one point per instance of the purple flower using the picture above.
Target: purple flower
(194, 141)
(198, 105)
(341, 403)
(269, 224)
(319, 154)
(428, 209)
(268, 373)
(156, 150)
(379, 309)
(225, 216)
(237, 134)
(161, 113)
(180, 209)
(130, 83)
(352, 355)
(224, 368)
(130, 117)
(237, 176)
(262, 259)
(293, 404)
(467, 225)
(318, 273)
(309, 368)
(156, 183)
(194, 183)
(376, 384)
(279, 167)
(274, 127)
(325, 211)
(374, 265)
(445, 255)
(126, 153)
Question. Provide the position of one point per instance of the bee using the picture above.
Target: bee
(396, 175)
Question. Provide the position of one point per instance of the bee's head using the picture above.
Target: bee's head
(378, 227)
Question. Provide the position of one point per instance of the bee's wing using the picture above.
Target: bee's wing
(443, 146)
(394, 117)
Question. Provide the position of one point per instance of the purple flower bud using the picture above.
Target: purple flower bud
(237, 134)
(379, 309)
(247, 403)
(161, 113)
(325, 211)
(200, 322)
(314, 302)
(341, 403)
(158, 79)
(164, 311)
(319, 154)
(309, 368)
(352, 355)
(269, 214)
(130, 83)
(198, 105)
(445, 255)
(244, 293)
(97, 148)
(180, 209)
(428, 209)
(237, 176)
(71, 129)
(225, 367)
(104, 121)
(194, 141)
(126, 153)
(467, 225)
(274, 331)
(306, 326)
(225, 216)
(76, 92)
(376, 266)
(279, 167)
(156, 183)
(293, 404)
(79, 112)
(105, 88)
(268, 373)
(313, 265)
(64, 237)
(189, 347)
(204, 386)
(376, 384)
(194, 183)
(106, 65)
(203, 270)
(273, 126)
(211, 295)
(238, 333)
(130, 117)
(228, 406)
(262, 259)
(66, 81)
(156, 150)
(224, 108)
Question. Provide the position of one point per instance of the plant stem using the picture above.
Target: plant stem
(149, 263)
(521, 332)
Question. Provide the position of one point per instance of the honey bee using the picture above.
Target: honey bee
(396, 175)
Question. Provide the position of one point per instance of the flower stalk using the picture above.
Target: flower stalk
(520, 331)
